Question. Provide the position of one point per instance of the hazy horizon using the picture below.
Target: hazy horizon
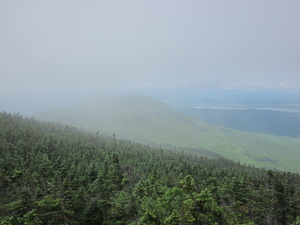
(74, 48)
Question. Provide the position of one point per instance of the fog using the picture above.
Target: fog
(58, 52)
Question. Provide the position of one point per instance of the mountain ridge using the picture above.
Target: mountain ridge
(144, 119)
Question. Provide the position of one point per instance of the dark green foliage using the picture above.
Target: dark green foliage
(55, 174)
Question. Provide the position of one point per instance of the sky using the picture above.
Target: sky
(72, 46)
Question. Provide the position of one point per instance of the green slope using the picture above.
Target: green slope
(147, 120)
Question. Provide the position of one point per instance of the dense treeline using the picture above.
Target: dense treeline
(56, 174)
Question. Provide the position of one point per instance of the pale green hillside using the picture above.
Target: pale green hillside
(147, 120)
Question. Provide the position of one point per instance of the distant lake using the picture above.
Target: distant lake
(269, 120)
(289, 110)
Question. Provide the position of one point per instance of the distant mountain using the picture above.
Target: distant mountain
(147, 120)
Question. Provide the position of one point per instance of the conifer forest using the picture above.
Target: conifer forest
(54, 174)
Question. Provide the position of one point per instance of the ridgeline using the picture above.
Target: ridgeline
(146, 120)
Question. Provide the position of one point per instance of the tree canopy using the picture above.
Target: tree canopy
(57, 174)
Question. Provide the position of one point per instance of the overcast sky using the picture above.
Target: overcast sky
(86, 46)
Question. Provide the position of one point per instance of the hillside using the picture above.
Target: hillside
(146, 120)
(57, 174)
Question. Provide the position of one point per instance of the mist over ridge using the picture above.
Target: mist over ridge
(150, 112)
(231, 54)
(144, 119)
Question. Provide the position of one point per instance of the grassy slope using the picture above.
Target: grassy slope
(147, 120)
